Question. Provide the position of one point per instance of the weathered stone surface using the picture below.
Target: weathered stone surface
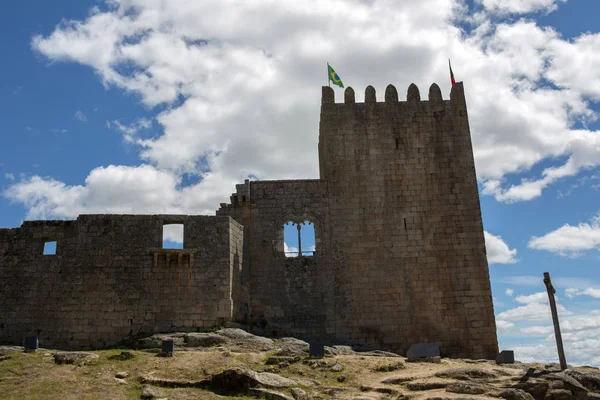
(291, 347)
(244, 379)
(468, 388)
(559, 394)
(467, 373)
(203, 339)
(240, 340)
(428, 385)
(513, 394)
(299, 394)
(122, 375)
(589, 379)
(71, 358)
(398, 380)
(148, 392)
(535, 387)
(269, 394)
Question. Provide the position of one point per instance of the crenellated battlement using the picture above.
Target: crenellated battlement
(413, 96)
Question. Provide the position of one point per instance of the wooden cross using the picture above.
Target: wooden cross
(557, 335)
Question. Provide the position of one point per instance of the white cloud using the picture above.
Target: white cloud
(498, 251)
(9, 176)
(80, 116)
(129, 131)
(590, 291)
(504, 325)
(520, 6)
(570, 240)
(510, 292)
(173, 233)
(533, 298)
(58, 131)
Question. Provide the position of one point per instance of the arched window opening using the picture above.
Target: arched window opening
(299, 239)
(172, 236)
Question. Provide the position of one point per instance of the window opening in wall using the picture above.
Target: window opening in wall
(172, 236)
(299, 239)
(50, 248)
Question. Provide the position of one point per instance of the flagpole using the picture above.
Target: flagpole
(328, 80)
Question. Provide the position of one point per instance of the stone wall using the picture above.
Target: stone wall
(400, 248)
(111, 279)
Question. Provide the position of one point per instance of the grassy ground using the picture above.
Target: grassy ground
(36, 376)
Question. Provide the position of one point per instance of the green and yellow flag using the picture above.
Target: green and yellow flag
(333, 77)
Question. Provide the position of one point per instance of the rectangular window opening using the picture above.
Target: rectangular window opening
(172, 236)
(50, 248)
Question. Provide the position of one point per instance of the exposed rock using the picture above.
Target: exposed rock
(398, 380)
(72, 357)
(390, 367)
(570, 383)
(244, 379)
(125, 355)
(513, 394)
(269, 394)
(174, 383)
(468, 388)
(291, 347)
(299, 394)
(4, 350)
(155, 341)
(281, 360)
(466, 373)
(203, 339)
(337, 367)
(535, 387)
(121, 381)
(559, 394)
(122, 375)
(341, 379)
(148, 392)
(426, 385)
(3, 358)
(241, 340)
(590, 380)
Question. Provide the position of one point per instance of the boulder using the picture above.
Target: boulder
(240, 340)
(299, 394)
(122, 375)
(203, 339)
(570, 383)
(559, 394)
(291, 347)
(269, 394)
(535, 387)
(505, 357)
(590, 380)
(513, 394)
(148, 392)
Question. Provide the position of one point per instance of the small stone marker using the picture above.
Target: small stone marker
(31, 344)
(316, 350)
(423, 350)
(168, 348)
(505, 357)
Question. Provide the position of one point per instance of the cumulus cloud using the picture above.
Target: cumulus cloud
(504, 325)
(590, 291)
(498, 251)
(510, 292)
(570, 240)
(242, 96)
(520, 6)
(130, 131)
(536, 308)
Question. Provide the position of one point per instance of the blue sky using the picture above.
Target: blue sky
(130, 108)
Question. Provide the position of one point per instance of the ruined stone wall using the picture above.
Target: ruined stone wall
(111, 279)
(289, 296)
(404, 214)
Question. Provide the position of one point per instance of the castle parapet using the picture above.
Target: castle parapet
(456, 103)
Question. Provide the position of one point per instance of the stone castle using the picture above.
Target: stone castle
(399, 248)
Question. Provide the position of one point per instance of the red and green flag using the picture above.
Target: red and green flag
(451, 74)
(333, 76)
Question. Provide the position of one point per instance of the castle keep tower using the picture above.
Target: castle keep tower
(399, 258)
(405, 219)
